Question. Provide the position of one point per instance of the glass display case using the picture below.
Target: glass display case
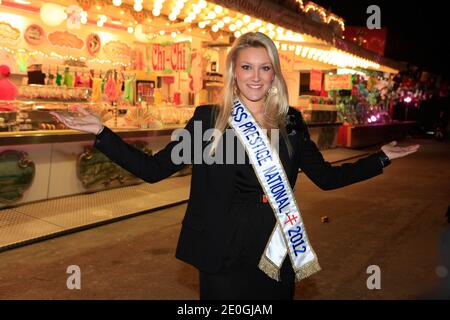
(317, 109)
(52, 93)
(34, 115)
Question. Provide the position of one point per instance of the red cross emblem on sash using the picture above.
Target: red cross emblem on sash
(291, 219)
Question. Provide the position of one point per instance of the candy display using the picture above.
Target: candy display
(41, 92)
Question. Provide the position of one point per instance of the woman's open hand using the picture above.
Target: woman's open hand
(86, 122)
(394, 152)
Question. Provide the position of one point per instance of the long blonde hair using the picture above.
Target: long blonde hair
(276, 103)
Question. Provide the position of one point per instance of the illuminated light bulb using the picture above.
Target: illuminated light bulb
(156, 12)
(197, 10)
(258, 23)
(103, 18)
(212, 15)
(173, 34)
(218, 9)
(232, 27)
(227, 19)
(117, 3)
(172, 17)
(220, 24)
(305, 51)
(277, 44)
(298, 37)
(202, 24)
(289, 33)
(280, 30)
(291, 47)
(244, 30)
(202, 4)
(122, 12)
(237, 34)
(272, 33)
(100, 23)
(83, 20)
(238, 23)
(284, 47)
(247, 19)
(262, 30)
(270, 26)
(162, 32)
(52, 14)
(251, 26)
(215, 28)
(83, 14)
(130, 29)
(137, 7)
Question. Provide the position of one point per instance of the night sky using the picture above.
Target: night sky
(418, 32)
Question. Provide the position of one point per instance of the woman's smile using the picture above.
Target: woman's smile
(254, 75)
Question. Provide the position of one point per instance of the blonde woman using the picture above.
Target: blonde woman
(243, 229)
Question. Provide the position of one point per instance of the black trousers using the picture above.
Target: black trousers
(240, 277)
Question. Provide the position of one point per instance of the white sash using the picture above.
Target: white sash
(289, 235)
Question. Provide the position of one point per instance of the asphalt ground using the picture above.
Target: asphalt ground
(395, 222)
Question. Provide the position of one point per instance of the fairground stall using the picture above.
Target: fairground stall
(143, 67)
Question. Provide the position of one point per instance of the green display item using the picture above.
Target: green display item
(58, 79)
(16, 175)
(96, 171)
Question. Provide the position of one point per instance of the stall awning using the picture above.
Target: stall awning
(289, 19)
(353, 48)
(280, 16)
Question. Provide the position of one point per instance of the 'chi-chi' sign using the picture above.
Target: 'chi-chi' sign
(171, 57)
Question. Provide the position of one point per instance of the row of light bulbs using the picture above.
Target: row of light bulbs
(53, 54)
(241, 25)
(332, 56)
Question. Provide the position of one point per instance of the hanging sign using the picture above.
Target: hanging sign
(338, 82)
(34, 35)
(65, 39)
(171, 57)
(93, 44)
(9, 34)
(315, 82)
(117, 48)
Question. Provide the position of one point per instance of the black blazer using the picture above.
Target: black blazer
(206, 227)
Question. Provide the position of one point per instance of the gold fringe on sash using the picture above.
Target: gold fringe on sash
(305, 271)
(269, 268)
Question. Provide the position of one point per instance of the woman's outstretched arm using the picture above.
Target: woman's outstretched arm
(328, 177)
(150, 168)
